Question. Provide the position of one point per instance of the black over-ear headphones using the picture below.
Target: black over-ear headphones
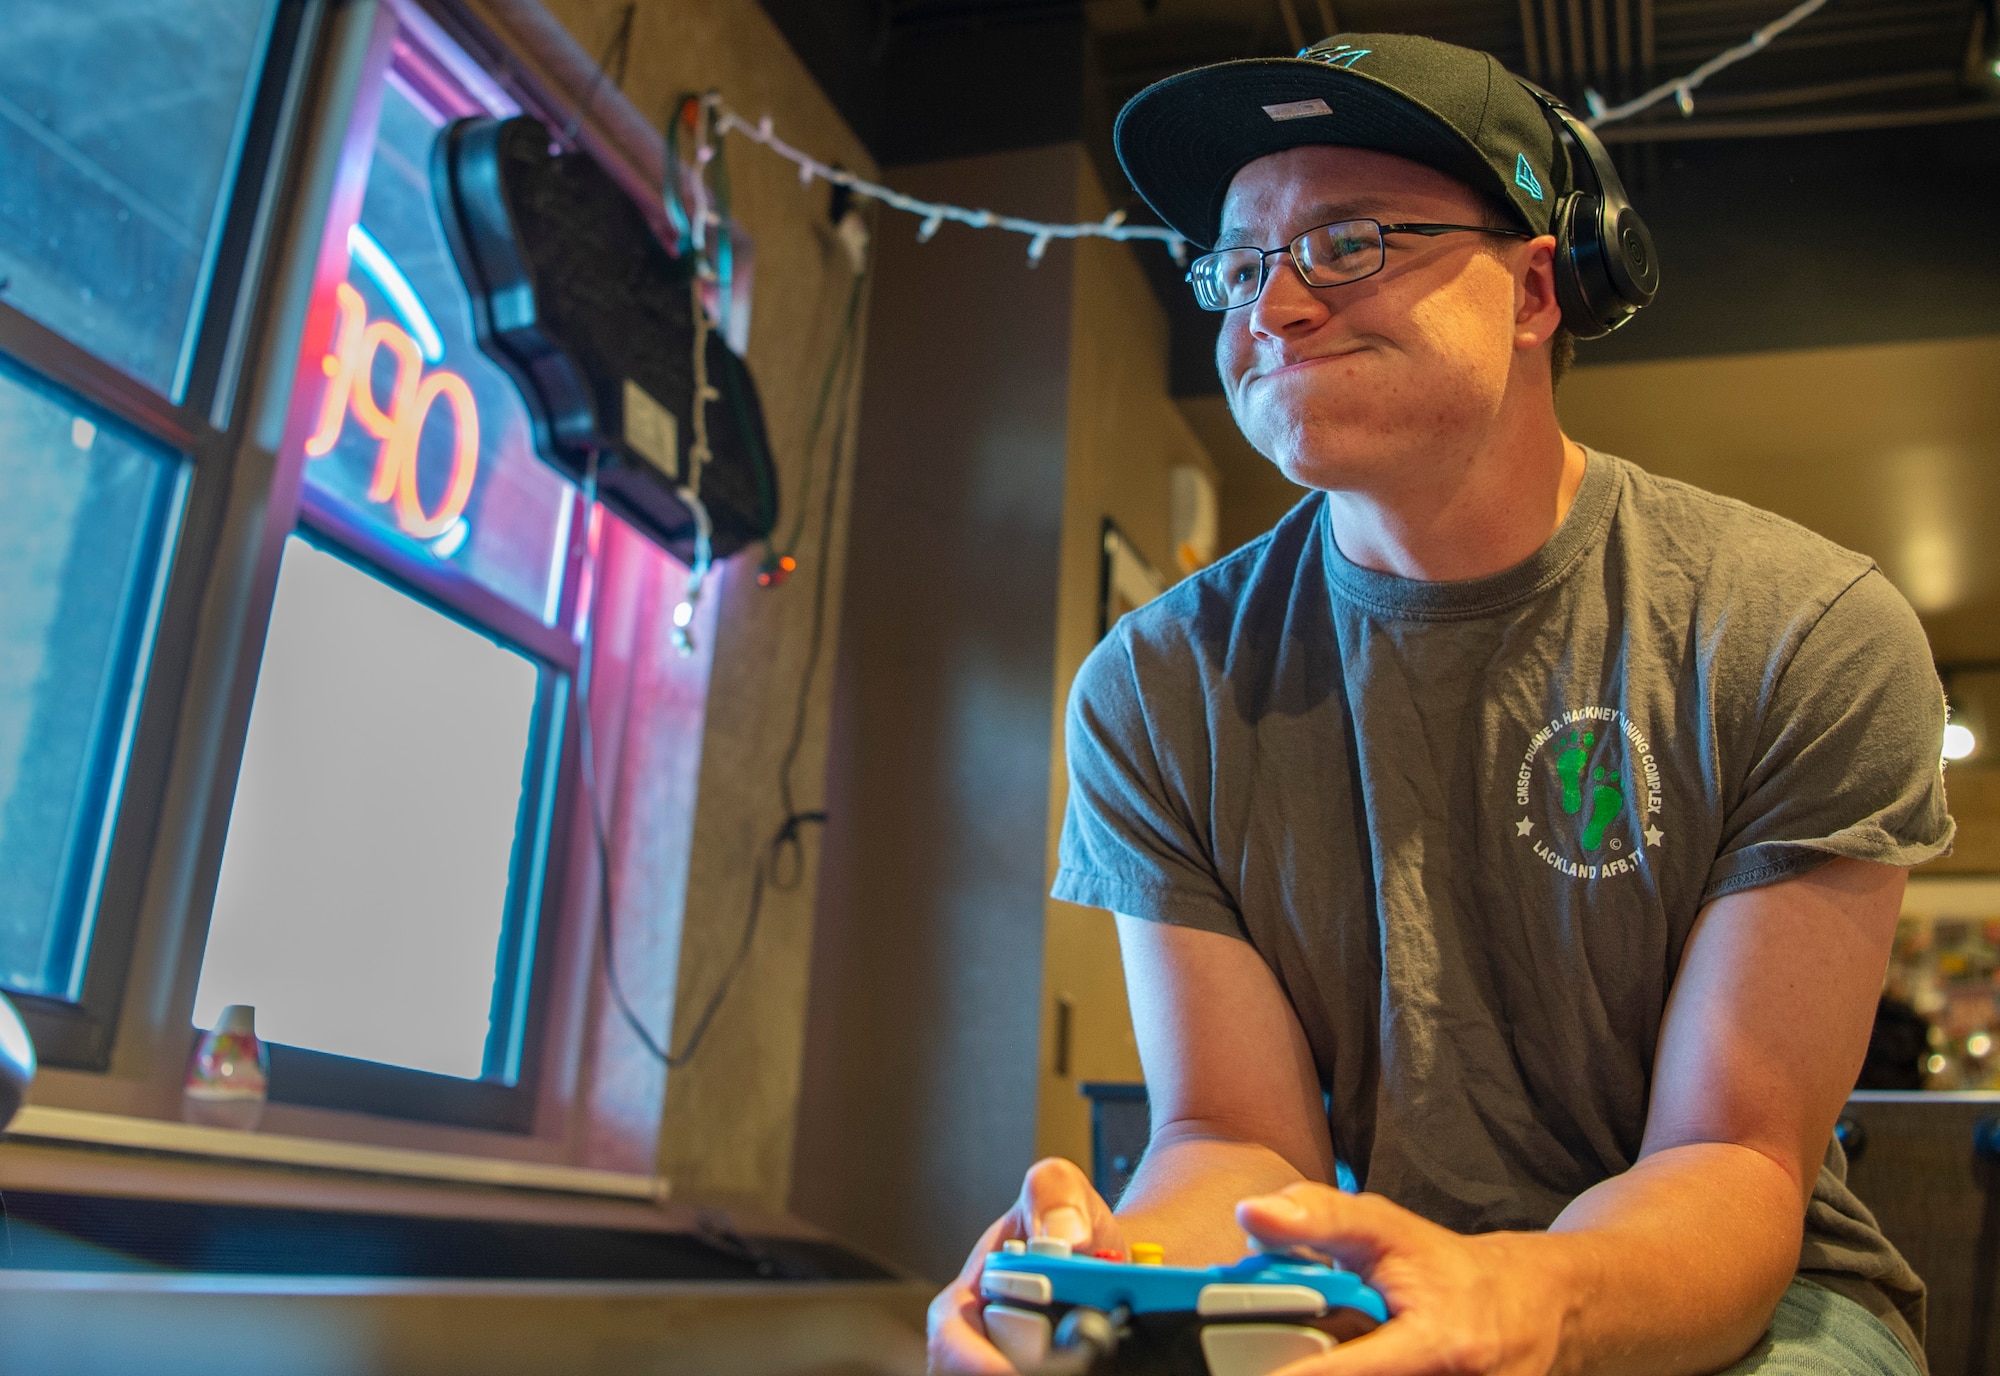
(1606, 267)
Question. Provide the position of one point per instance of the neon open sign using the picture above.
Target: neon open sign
(396, 421)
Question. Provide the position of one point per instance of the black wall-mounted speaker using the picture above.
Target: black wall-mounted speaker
(575, 296)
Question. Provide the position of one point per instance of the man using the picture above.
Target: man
(1517, 830)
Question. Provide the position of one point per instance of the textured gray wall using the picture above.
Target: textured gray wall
(917, 1107)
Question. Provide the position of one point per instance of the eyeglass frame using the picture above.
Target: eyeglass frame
(1290, 248)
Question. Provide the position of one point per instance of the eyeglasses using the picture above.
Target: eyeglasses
(1326, 256)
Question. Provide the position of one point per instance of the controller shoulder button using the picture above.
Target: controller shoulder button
(1254, 1349)
(1225, 1298)
(1022, 1337)
(1026, 1286)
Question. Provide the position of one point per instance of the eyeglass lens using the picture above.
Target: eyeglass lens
(1326, 257)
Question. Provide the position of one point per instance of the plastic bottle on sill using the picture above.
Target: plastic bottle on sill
(229, 1074)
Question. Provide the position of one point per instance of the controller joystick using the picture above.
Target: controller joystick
(1054, 1314)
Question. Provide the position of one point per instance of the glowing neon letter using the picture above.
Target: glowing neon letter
(464, 457)
(338, 365)
(379, 421)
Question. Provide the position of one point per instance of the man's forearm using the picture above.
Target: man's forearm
(1670, 1269)
(1185, 1192)
(1674, 1267)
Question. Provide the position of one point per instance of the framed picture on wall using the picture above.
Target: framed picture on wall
(1129, 581)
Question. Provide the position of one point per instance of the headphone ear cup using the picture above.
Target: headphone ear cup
(1580, 314)
(1633, 263)
(1595, 304)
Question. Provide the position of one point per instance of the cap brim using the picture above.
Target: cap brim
(1183, 139)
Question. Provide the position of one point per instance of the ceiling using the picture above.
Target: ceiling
(1853, 56)
(1839, 187)
(1852, 61)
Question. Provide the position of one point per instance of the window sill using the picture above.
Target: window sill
(116, 1132)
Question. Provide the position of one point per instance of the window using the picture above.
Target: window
(384, 876)
(121, 122)
(84, 513)
(136, 139)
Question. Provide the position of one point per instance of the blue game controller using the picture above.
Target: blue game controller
(1052, 1312)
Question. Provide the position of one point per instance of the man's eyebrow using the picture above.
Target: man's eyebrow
(1321, 213)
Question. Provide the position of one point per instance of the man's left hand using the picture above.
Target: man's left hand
(1458, 1304)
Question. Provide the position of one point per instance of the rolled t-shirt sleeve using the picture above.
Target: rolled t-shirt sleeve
(1131, 839)
(1847, 760)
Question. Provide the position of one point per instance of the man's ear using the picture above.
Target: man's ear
(1537, 312)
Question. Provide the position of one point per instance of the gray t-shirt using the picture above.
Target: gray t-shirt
(1470, 825)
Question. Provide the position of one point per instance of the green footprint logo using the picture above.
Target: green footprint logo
(1570, 765)
(1607, 799)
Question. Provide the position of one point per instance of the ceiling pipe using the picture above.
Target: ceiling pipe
(1649, 54)
(1531, 43)
(1579, 51)
(1552, 39)
(1623, 23)
(1600, 46)
(1292, 29)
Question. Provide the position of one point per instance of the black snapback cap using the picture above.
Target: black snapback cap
(1181, 140)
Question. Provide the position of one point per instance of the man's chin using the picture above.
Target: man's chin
(1326, 474)
(1315, 458)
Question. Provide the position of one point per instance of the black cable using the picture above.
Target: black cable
(835, 365)
(784, 843)
(785, 840)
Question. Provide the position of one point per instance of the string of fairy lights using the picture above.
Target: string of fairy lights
(932, 215)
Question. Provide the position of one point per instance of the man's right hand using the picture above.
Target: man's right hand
(1056, 1201)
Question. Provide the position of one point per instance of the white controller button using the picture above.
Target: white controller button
(1048, 1247)
(1025, 1286)
(1254, 1349)
(1023, 1338)
(1220, 1299)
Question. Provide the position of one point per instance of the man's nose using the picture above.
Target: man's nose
(1286, 306)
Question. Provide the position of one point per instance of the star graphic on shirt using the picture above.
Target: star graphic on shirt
(1523, 827)
(1654, 836)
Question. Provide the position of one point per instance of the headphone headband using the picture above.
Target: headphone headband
(1606, 267)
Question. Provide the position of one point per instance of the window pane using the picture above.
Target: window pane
(364, 884)
(83, 513)
(118, 126)
(469, 492)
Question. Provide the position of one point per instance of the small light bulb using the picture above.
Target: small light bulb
(683, 614)
(1978, 1044)
(1935, 1065)
(1959, 741)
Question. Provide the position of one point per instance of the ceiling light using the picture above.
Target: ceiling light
(1959, 741)
(1984, 62)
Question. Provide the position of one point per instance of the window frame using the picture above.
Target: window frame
(505, 1096)
(202, 429)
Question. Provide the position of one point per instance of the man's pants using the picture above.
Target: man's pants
(1818, 1333)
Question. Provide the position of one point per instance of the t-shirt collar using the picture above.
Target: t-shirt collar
(1389, 594)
